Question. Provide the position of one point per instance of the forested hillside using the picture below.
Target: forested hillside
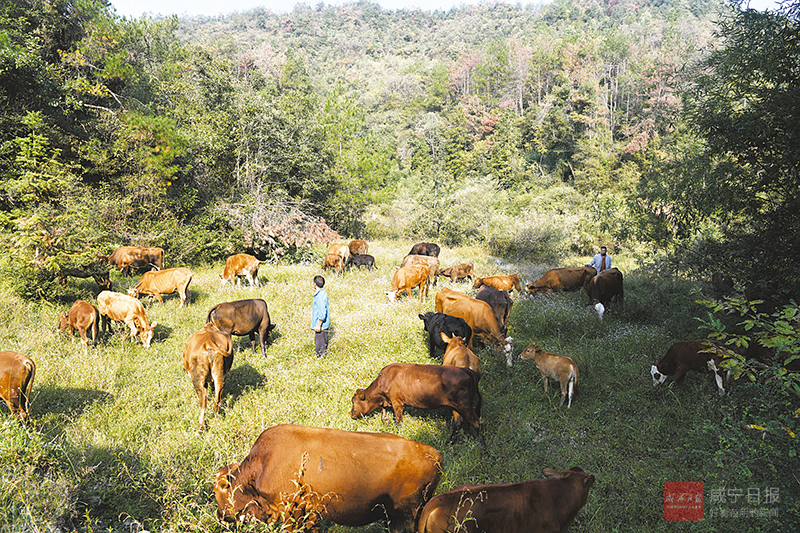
(649, 126)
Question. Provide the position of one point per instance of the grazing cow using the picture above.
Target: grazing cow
(16, 380)
(347, 477)
(562, 279)
(340, 249)
(604, 287)
(360, 260)
(407, 278)
(700, 355)
(81, 317)
(243, 317)
(240, 265)
(425, 248)
(500, 302)
(457, 354)
(163, 282)
(536, 506)
(556, 367)
(122, 308)
(478, 315)
(207, 358)
(431, 262)
(457, 272)
(335, 263)
(423, 387)
(501, 283)
(127, 258)
(437, 323)
(358, 247)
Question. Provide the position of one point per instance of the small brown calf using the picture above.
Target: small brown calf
(81, 316)
(554, 366)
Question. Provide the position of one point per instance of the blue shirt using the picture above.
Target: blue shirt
(319, 310)
(596, 262)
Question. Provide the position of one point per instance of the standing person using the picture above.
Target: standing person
(601, 261)
(320, 317)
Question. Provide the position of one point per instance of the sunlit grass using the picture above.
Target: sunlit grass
(113, 437)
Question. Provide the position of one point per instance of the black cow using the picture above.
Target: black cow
(437, 323)
(360, 260)
(243, 317)
(425, 248)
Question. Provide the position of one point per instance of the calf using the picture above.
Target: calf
(457, 272)
(424, 387)
(407, 278)
(500, 302)
(437, 323)
(122, 308)
(335, 263)
(163, 282)
(556, 367)
(360, 260)
(240, 265)
(243, 317)
(298, 474)
(501, 283)
(425, 248)
(81, 317)
(457, 354)
(16, 381)
(340, 249)
(207, 358)
(536, 506)
(700, 355)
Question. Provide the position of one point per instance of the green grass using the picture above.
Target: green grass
(114, 442)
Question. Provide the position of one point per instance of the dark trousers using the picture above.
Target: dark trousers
(321, 342)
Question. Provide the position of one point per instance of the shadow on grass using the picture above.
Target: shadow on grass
(66, 401)
(241, 378)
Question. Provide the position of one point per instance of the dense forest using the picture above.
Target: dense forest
(667, 129)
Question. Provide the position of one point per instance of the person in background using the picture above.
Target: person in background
(601, 261)
(320, 317)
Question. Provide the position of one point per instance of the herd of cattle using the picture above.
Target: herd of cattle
(355, 478)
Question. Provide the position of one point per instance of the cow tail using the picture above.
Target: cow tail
(95, 327)
(477, 391)
(210, 313)
(28, 385)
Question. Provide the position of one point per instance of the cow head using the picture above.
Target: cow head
(63, 321)
(361, 405)
(658, 377)
(477, 283)
(146, 334)
(392, 295)
(223, 481)
(133, 293)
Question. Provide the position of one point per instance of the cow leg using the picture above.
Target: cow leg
(218, 375)
(160, 299)
(253, 340)
(84, 341)
(717, 376)
(544, 380)
(680, 373)
(397, 407)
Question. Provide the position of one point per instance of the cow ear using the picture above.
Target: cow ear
(588, 482)
(445, 338)
(549, 473)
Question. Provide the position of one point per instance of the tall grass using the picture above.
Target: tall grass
(113, 442)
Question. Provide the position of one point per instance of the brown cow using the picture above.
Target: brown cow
(358, 247)
(407, 278)
(163, 282)
(126, 258)
(562, 279)
(122, 308)
(556, 367)
(605, 287)
(340, 249)
(457, 354)
(423, 387)
(207, 357)
(457, 272)
(425, 248)
(536, 506)
(501, 283)
(16, 380)
(347, 477)
(240, 265)
(700, 355)
(243, 317)
(501, 304)
(431, 262)
(478, 315)
(81, 317)
(335, 263)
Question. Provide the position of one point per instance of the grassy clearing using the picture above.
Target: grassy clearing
(113, 442)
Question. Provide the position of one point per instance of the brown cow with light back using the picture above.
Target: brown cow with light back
(207, 358)
(562, 279)
(122, 308)
(501, 283)
(407, 278)
(82, 316)
(240, 265)
(16, 380)
(163, 282)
